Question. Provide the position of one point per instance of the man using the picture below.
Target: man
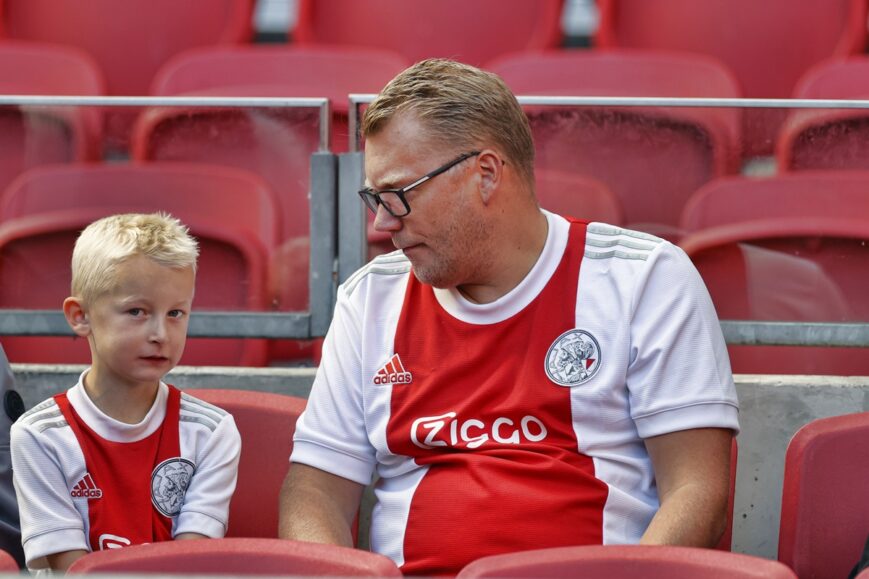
(516, 380)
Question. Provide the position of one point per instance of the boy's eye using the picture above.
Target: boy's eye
(176, 313)
(135, 311)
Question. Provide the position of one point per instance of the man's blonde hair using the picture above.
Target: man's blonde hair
(111, 240)
(461, 105)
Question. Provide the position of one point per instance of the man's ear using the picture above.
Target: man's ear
(76, 316)
(491, 169)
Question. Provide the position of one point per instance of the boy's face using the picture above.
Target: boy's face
(137, 331)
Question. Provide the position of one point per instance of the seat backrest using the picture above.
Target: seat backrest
(145, 32)
(266, 423)
(477, 31)
(790, 269)
(187, 190)
(34, 136)
(624, 562)
(825, 514)
(578, 196)
(275, 144)
(756, 40)
(653, 158)
(832, 138)
(50, 206)
(298, 71)
(238, 556)
(829, 194)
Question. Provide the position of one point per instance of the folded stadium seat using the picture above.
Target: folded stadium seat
(471, 32)
(792, 249)
(824, 513)
(131, 39)
(230, 211)
(828, 138)
(239, 557)
(767, 44)
(653, 158)
(266, 422)
(276, 144)
(574, 195)
(626, 562)
(33, 136)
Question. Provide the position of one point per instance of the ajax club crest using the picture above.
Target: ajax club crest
(169, 483)
(573, 358)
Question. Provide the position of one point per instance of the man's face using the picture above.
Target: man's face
(444, 236)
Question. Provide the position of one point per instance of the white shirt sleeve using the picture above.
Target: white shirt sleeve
(50, 522)
(331, 433)
(206, 502)
(679, 373)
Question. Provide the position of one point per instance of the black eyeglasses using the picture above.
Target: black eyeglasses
(393, 200)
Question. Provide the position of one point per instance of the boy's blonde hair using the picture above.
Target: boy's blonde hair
(111, 240)
(461, 105)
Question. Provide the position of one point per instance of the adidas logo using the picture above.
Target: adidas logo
(393, 372)
(86, 488)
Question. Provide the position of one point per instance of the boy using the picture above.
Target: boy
(122, 458)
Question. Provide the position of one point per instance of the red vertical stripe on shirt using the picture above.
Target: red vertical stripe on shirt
(497, 435)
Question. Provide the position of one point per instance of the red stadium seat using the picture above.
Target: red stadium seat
(626, 562)
(8, 563)
(317, 71)
(839, 194)
(266, 422)
(788, 249)
(34, 136)
(767, 44)
(275, 144)
(652, 158)
(230, 211)
(471, 32)
(825, 514)
(577, 196)
(239, 556)
(828, 138)
(131, 39)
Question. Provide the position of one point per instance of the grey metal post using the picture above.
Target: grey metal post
(352, 238)
(324, 224)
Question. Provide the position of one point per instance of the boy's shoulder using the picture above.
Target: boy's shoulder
(44, 416)
(197, 411)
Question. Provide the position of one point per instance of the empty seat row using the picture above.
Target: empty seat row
(652, 158)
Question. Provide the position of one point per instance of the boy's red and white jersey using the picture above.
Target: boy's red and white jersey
(61, 495)
(520, 423)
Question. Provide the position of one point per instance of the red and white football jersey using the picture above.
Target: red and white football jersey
(517, 424)
(86, 481)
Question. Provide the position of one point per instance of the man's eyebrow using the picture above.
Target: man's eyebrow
(390, 182)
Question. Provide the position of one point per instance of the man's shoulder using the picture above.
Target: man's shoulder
(610, 242)
(384, 268)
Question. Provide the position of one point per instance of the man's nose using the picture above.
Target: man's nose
(384, 221)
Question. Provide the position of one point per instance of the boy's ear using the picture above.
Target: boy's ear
(76, 316)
